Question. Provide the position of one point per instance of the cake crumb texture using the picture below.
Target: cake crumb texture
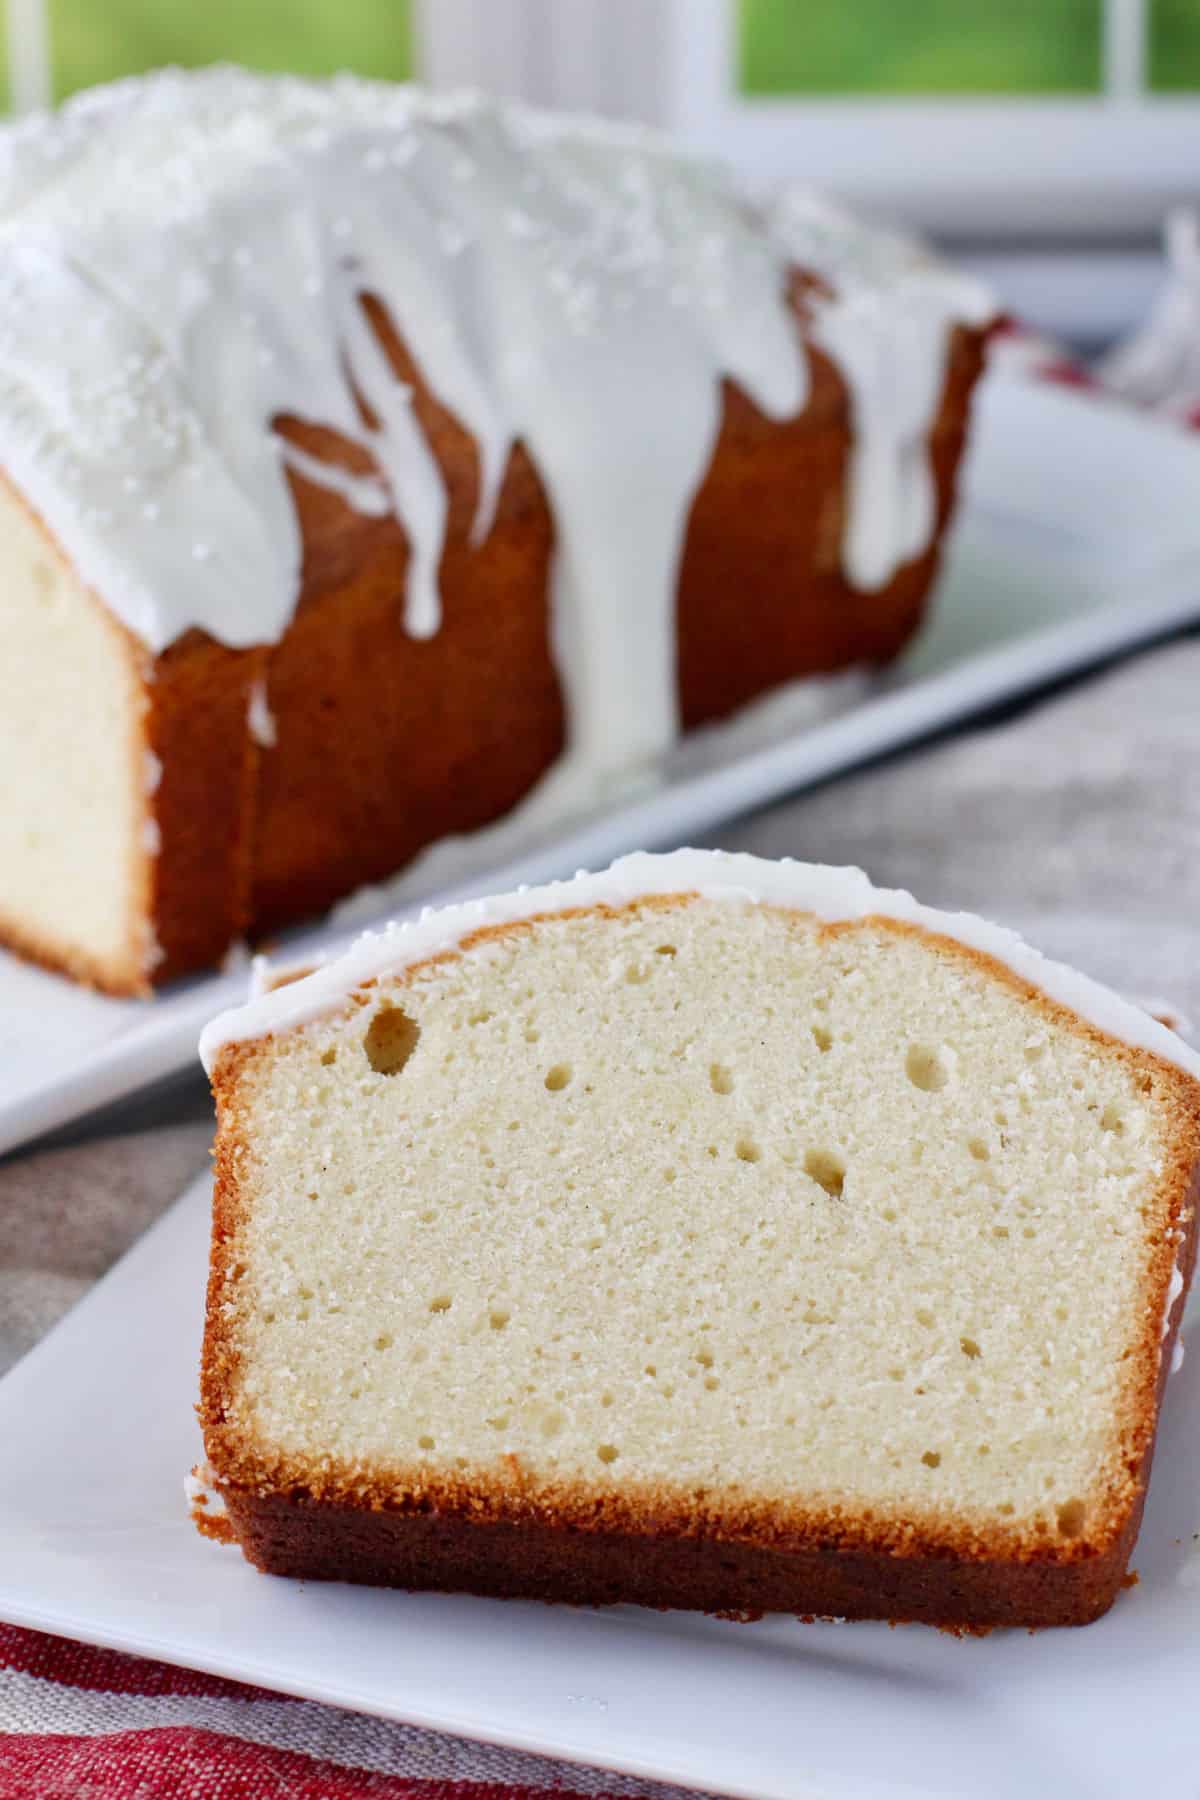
(700, 1253)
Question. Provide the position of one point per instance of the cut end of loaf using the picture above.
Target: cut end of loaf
(704, 1220)
(77, 837)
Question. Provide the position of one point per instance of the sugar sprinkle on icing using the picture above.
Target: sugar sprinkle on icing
(184, 261)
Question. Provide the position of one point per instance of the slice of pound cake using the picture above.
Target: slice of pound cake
(706, 1233)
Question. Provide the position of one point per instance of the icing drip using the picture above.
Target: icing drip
(1159, 365)
(886, 323)
(185, 258)
(361, 492)
(260, 720)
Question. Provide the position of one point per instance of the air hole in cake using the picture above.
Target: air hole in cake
(1071, 1515)
(328, 1057)
(481, 1017)
(636, 972)
(441, 1303)
(889, 1214)
(827, 1169)
(926, 1068)
(712, 1383)
(1112, 1119)
(425, 1442)
(749, 1152)
(665, 950)
(978, 1149)
(558, 1077)
(822, 1038)
(719, 1079)
(931, 1459)
(969, 1347)
(608, 1453)
(390, 1040)
(924, 1316)
(498, 1318)
(384, 1341)
(606, 1399)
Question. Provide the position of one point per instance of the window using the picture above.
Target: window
(923, 47)
(1074, 119)
(57, 46)
(1174, 46)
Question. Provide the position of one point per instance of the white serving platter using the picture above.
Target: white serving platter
(95, 1542)
(1078, 538)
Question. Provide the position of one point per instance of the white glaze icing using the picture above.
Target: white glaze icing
(828, 893)
(1159, 365)
(236, 957)
(202, 1494)
(1177, 1357)
(260, 720)
(1174, 1289)
(886, 324)
(183, 260)
(363, 493)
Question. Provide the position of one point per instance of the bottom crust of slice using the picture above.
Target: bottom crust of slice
(317, 1541)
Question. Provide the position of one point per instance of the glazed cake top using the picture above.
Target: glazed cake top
(184, 256)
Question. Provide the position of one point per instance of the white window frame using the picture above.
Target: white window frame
(1098, 168)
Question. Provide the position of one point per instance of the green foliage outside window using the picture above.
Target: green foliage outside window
(98, 40)
(1173, 62)
(922, 46)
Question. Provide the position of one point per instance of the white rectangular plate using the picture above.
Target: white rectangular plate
(98, 1431)
(1078, 537)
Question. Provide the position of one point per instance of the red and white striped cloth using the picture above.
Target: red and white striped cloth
(84, 1724)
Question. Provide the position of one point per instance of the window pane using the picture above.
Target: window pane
(96, 40)
(922, 46)
(1174, 59)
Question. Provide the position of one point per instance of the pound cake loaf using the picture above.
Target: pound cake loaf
(374, 462)
(706, 1233)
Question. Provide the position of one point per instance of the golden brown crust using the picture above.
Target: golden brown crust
(718, 1551)
(386, 743)
(433, 1548)
(204, 803)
